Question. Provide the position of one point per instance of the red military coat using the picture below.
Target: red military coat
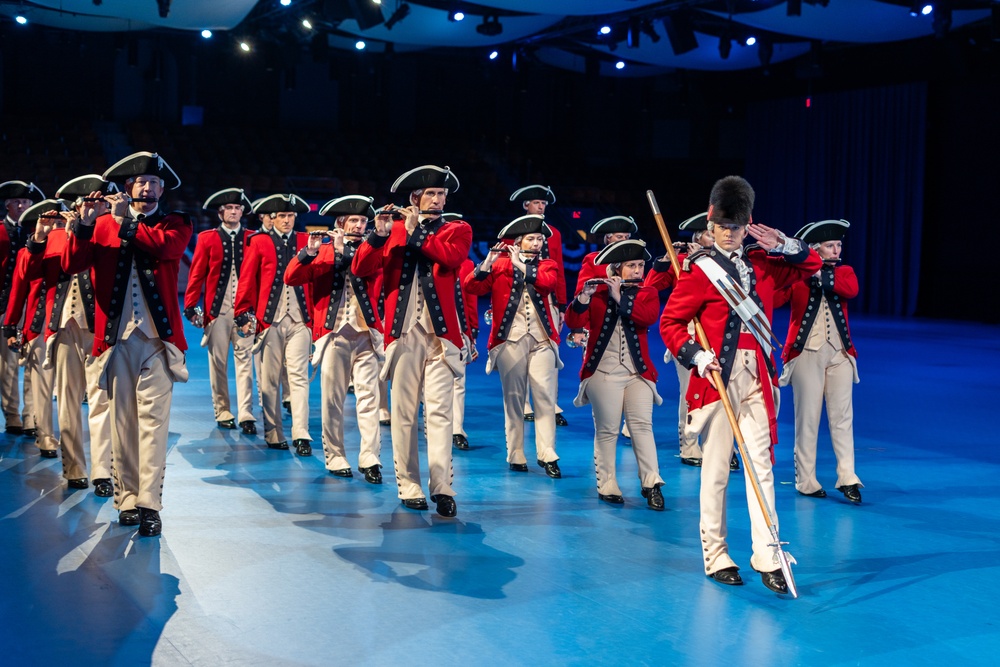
(840, 284)
(445, 244)
(470, 301)
(639, 305)
(500, 284)
(259, 276)
(26, 288)
(321, 273)
(158, 241)
(555, 248)
(206, 269)
(589, 271)
(694, 296)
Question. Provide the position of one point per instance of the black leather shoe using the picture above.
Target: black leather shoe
(30, 432)
(350, 389)
(227, 423)
(372, 474)
(851, 492)
(775, 581)
(278, 445)
(81, 483)
(734, 463)
(48, 453)
(128, 517)
(459, 441)
(287, 405)
(415, 503)
(14, 430)
(654, 498)
(529, 416)
(693, 462)
(519, 467)
(385, 422)
(560, 420)
(103, 488)
(343, 472)
(612, 498)
(815, 494)
(149, 523)
(248, 427)
(303, 448)
(445, 505)
(551, 468)
(729, 576)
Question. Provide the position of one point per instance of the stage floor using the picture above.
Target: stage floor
(266, 559)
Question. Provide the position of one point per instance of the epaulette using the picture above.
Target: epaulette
(185, 216)
(690, 259)
(753, 247)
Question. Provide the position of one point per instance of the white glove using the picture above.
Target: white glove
(703, 358)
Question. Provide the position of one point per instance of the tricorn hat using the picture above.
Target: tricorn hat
(615, 224)
(81, 186)
(532, 192)
(451, 217)
(824, 230)
(623, 251)
(143, 163)
(349, 205)
(20, 190)
(228, 196)
(526, 224)
(695, 224)
(281, 204)
(427, 176)
(33, 212)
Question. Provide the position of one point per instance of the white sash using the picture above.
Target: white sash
(746, 308)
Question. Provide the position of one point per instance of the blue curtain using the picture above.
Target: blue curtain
(856, 155)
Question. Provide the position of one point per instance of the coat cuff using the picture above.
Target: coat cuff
(84, 232)
(305, 258)
(376, 241)
(685, 355)
(34, 247)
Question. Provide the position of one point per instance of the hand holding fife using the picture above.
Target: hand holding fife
(412, 217)
(492, 255)
(515, 259)
(337, 234)
(615, 288)
(118, 203)
(383, 220)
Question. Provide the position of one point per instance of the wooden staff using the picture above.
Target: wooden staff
(784, 559)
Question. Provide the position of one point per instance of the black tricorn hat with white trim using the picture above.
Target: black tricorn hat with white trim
(696, 223)
(81, 186)
(623, 251)
(824, 230)
(532, 192)
(614, 225)
(349, 205)
(427, 176)
(143, 163)
(451, 217)
(228, 196)
(33, 212)
(526, 224)
(281, 204)
(20, 190)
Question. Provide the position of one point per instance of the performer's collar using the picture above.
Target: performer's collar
(729, 253)
(134, 214)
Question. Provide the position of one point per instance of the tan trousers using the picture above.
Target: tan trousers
(9, 392)
(258, 364)
(687, 440)
(523, 364)
(421, 366)
(458, 405)
(554, 311)
(824, 374)
(140, 388)
(717, 444)
(350, 353)
(40, 388)
(610, 395)
(74, 379)
(221, 336)
(383, 400)
(286, 348)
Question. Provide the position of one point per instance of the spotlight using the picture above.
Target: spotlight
(285, 3)
(21, 20)
(455, 12)
(307, 24)
(620, 64)
(207, 34)
(490, 27)
(458, 16)
(360, 45)
(605, 30)
(245, 47)
(401, 13)
(494, 55)
(793, 8)
(926, 9)
(751, 40)
(376, 2)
